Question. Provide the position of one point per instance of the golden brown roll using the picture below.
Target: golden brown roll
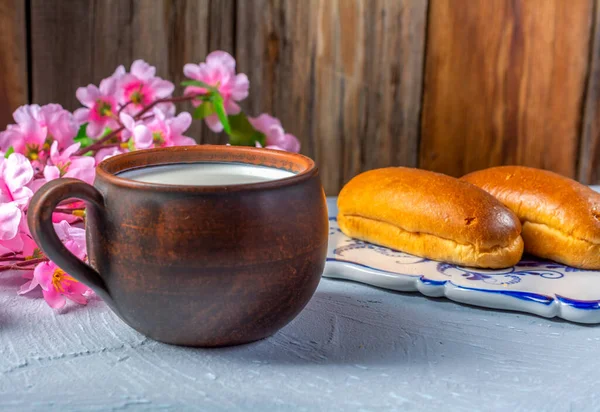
(560, 217)
(430, 215)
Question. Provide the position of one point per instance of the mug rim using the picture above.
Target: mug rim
(302, 166)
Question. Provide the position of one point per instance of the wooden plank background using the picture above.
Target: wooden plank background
(504, 84)
(13, 59)
(446, 85)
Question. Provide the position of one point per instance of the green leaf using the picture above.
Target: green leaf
(10, 151)
(82, 132)
(106, 131)
(218, 104)
(204, 110)
(81, 137)
(242, 132)
(84, 141)
(199, 84)
(131, 145)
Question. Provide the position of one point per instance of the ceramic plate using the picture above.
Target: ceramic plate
(541, 287)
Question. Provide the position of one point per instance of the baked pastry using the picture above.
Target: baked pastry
(560, 217)
(430, 215)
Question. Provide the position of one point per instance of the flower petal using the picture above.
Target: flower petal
(26, 113)
(77, 298)
(232, 107)
(54, 299)
(51, 173)
(54, 152)
(87, 174)
(69, 151)
(142, 136)
(62, 230)
(241, 87)
(12, 136)
(221, 58)
(28, 286)
(192, 71)
(180, 124)
(43, 272)
(88, 95)
(13, 245)
(119, 72)
(21, 197)
(213, 123)
(36, 184)
(29, 245)
(162, 88)
(10, 218)
(142, 70)
(184, 141)
(17, 171)
(292, 144)
(108, 86)
(106, 153)
(81, 115)
(76, 248)
(263, 122)
(79, 288)
(127, 121)
(94, 129)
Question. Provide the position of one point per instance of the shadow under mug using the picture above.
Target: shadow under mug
(196, 265)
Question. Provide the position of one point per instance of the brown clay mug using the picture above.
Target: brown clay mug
(196, 265)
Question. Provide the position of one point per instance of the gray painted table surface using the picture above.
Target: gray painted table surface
(354, 347)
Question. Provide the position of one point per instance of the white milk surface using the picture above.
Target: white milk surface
(205, 174)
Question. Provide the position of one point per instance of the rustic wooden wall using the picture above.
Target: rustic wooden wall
(13, 59)
(447, 85)
(74, 42)
(344, 76)
(504, 84)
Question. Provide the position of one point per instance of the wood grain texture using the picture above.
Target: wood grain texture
(76, 43)
(589, 151)
(13, 59)
(504, 84)
(345, 76)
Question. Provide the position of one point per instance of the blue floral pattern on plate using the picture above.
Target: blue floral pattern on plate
(536, 286)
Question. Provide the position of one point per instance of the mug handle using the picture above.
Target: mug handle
(39, 218)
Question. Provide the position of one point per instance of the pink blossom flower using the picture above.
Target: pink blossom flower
(276, 138)
(36, 128)
(15, 174)
(100, 104)
(56, 284)
(141, 87)
(141, 136)
(65, 164)
(10, 221)
(71, 235)
(169, 131)
(29, 249)
(21, 245)
(60, 123)
(28, 135)
(12, 246)
(37, 183)
(218, 71)
(69, 217)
